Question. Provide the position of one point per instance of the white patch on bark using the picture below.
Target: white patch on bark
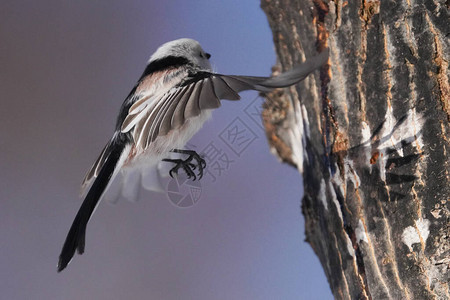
(335, 200)
(415, 234)
(323, 194)
(392, 135)
(366, 135)
(339, 82)
(350, 249)
(351, 174)
(297, 136)
(416, 122)
(305, 119)
(338, 181)
(387, 142)
(360, 232)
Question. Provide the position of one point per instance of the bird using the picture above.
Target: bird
(170, 102)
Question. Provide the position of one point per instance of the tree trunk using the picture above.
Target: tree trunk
(370, 136)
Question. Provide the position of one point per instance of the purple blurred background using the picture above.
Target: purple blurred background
(65, 68)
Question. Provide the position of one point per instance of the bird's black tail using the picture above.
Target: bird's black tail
(75, 239)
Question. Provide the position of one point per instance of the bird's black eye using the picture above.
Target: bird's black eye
(205, 54)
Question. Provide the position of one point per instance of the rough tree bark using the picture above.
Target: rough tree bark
(371, 138)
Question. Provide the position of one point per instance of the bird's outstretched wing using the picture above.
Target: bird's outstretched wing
(157, 116)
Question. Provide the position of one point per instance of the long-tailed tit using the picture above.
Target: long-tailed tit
(169, 104)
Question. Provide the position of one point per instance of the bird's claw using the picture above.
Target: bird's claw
(187, 164)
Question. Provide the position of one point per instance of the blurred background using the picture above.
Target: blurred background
(65, 68)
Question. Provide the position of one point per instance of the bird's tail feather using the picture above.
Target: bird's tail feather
(75, 239)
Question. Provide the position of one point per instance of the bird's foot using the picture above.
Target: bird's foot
(187, 164)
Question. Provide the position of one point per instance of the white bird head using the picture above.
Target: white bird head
(186, 48)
